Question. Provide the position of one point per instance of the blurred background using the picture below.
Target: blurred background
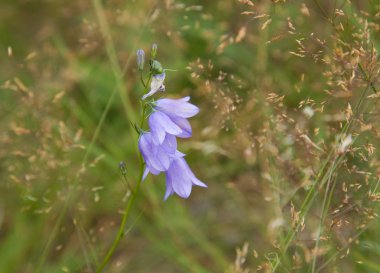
(286, 140)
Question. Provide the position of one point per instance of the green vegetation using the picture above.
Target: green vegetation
(287, 138)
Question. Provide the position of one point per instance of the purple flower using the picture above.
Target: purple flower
(157, 84)
(177, 108)
(161, 125)
(180, 179)
(159, 147)
(170, 117)
(157, 157)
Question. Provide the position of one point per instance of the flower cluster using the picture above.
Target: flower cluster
(167, 121)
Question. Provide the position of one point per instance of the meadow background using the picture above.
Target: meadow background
(287, 137)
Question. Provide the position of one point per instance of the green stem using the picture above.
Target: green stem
(325, 207)
(321, 180)
(131, 201)
(142, 80)
(127, 210)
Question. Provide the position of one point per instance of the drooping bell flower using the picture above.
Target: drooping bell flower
(160, 125)
(180, 108)
(157, 157)
(180, 179)
(170, 117)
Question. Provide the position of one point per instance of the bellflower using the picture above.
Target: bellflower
(157, 157)
(161, 125)
(156, 85)
(167, 120)
(180, 108)
(169, 117)
(180, 179)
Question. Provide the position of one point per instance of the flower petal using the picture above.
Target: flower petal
(177, 107)
(178, 154)
(148, 94)
(157, 130)
(156, 158)
(146, 172)
(187, 98)
(179, 178)
(160, 124)
(169, 188)
(197, 182)
(190, 173)
(184, 124)
(163, 157)
(169, 144)
(156, 84)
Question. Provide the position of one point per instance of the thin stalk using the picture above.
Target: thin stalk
(325, 207)
(142, 80)
(333, 257)
(72, 194)
(312, 194)
(322, 178)
(112, 56)
(127, 211)
(131, 201)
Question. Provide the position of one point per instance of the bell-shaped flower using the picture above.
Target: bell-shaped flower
(170, 117)
(156, 84)
(161, 125)
(178, 108)
(180, 179)
(157, 157)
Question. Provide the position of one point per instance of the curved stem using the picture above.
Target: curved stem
(127, 210)
(131, 201)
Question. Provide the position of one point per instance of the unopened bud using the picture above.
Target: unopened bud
(123, 167)
(154, 50)
(140, 59)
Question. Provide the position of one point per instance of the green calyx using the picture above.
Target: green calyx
(155, 67)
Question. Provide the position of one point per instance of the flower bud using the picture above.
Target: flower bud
(123, 167)
(140, 59)
(156, 67)
(154, 50)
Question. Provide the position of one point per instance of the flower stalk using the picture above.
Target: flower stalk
(120, 234)
(158, 148)
(126, 213)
